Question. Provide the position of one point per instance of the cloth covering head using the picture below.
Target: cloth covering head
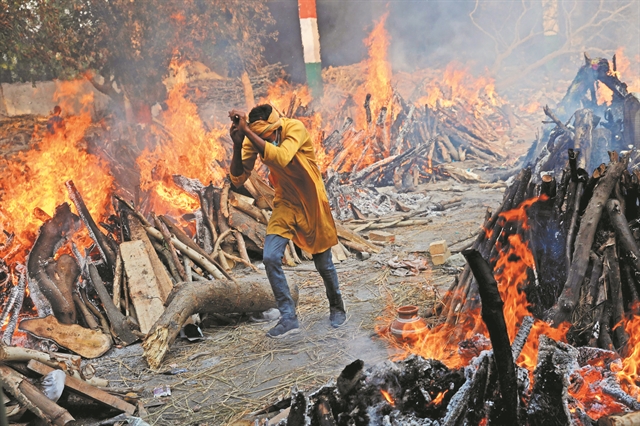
(264, 120)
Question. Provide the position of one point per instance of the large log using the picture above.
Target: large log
(568, 299)
(548, 402)
(248, 226)
(612, 268)
(623, 232)
(220, 297)
(493, 317)
(51, 235)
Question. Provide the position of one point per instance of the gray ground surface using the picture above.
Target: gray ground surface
(236, 370)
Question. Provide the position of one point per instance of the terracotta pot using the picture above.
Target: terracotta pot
(408, 325)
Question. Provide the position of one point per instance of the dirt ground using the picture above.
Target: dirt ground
(236, 370)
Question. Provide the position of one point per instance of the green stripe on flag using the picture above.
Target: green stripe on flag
(314, 78)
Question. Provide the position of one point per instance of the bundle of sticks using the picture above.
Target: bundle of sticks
(412, 143)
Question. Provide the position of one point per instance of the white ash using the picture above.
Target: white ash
(370, 201)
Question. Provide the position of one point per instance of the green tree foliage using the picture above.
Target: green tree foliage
(130, 42)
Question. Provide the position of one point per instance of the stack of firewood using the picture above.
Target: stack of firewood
(416, 141)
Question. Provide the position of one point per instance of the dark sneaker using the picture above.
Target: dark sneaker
(337, 317)
(285, 327)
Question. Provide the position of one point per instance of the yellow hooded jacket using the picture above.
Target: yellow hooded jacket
(301, 209)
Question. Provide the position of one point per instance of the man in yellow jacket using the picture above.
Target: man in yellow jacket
(301, 209)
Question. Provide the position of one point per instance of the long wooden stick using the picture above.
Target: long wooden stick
(186, 250)
(186, 241)
(493, 317)
(117, 281)
(116, 318)
(172, 250)
(104, 245)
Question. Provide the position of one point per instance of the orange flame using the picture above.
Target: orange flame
(512, 266)
(387, 396)
(458, 85)
(35, 180)
(191, 151)
(438, 399)
(378, 79)
(628, 375)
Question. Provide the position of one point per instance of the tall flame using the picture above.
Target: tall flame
(34, 180)
(191, 151)
(378, 78)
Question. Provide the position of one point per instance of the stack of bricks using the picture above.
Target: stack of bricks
(439, 252)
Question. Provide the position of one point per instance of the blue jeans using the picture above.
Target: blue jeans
(274, 246)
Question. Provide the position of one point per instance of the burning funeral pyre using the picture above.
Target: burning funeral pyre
(82, 240)
(545, 331)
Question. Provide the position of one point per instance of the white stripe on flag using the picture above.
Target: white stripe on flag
(310, 40)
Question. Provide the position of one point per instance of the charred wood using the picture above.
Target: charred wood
(52, 235)
(107, 249)
(612, 268)
(493, 317)
(15, 304)
(551, 382)
(117, 320)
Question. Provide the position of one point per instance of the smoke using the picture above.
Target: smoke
(541, 38)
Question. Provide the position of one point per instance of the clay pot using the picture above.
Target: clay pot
(408, 325)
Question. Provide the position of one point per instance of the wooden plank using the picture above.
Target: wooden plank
(142, 282)
(85, 389)
(338, 254)
(83, 341)
(348, 234)
(162, 276)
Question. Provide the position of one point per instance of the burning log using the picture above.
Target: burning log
(14, 304)
(493, 317)
(218, 297)
(612, 269)
(105, 246)
(548, 400)
(51, 235)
